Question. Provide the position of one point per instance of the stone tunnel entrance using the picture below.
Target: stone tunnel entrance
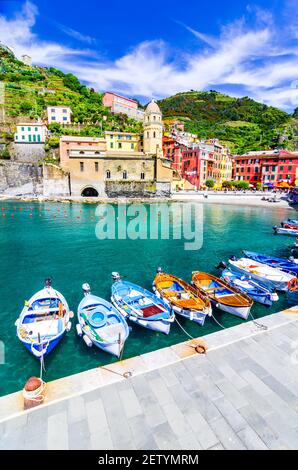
(89, 192)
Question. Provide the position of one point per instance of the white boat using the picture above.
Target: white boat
(101, 324)
(43, 321)
(141, 306)
(286, 231)
(272, 277)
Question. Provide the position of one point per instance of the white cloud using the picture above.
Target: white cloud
(76, 34)
(254, 57)
(17, 33)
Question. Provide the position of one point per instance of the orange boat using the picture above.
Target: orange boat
(222, 294)
(184, 299)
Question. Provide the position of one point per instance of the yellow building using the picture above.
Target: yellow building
(116, 165)
(123, 141)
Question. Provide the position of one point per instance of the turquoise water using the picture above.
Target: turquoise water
(58, 240)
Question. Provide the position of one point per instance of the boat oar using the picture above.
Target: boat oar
(137, 312)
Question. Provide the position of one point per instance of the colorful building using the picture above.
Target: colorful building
(120, 104)
(123, 141)
(34, 132)
(120, 163)
(200, 161)
(173, 151)
(60, 114)
(273, 168)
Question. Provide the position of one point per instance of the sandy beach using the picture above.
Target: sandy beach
(240, 198)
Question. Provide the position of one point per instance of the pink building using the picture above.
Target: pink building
(120, 104)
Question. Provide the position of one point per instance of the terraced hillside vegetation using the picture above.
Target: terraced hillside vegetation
(241, 123)
(28, 90)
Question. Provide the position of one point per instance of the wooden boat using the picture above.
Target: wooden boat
(289, 265)
(101, 324)
(43, 321)
(141, 306)
(184, 299)
(272, 277)
(257, 291)
(286, 231)
(222, 294)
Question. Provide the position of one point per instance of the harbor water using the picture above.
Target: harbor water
(40, 240)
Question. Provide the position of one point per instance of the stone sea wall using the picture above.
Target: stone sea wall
(29, 153)
(55, 181)
(20, 178)
(130, 188)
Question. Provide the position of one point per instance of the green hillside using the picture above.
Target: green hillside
(242, 123)
(30, 89)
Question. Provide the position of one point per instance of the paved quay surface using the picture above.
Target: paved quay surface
(243, 394)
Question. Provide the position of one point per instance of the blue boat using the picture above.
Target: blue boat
(43, 321)
(101, 324)
(288, 265)
(290, 222)
(257, 291)
(141, 306)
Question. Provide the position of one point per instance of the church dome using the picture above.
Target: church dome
(153, 108)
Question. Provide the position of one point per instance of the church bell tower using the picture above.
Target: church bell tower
(153, 128)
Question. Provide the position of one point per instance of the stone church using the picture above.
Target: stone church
(118, 164)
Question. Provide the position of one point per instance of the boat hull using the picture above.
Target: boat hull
(285, 231)
(283, 264)
(241, 312)
(197, 316)
(36, 352)
(47, 342)
(111, 344)
(193, 315)
(112, 348)
(271, 284)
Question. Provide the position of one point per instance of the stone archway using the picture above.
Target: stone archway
(89, 191)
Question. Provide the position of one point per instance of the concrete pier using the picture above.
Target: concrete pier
(243, 394)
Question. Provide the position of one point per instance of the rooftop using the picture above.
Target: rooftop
(269, 153)
(74, 138)
(152, 108)
(120, 96)
(122, 133)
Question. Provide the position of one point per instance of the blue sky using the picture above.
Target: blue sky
(153, 51)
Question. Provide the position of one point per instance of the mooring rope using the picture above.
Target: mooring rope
(258, 325)
(187, 334)
(35, 395)
(216, 321)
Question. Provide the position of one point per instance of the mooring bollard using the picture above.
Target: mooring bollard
(34, 392)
